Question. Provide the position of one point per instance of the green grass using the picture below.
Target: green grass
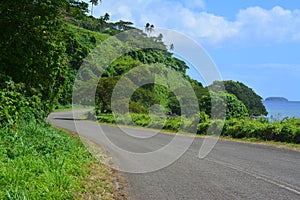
(38, 162)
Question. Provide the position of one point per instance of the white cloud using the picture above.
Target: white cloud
(252, 25)
(277, 24)
(212, 28)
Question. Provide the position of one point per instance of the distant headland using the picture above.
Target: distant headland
(276, 99)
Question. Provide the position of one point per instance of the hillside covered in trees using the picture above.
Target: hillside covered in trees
(44, 44)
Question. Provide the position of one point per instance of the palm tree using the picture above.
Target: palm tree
(94, 2)
(149, 28)
(172, 47)
(106, 17)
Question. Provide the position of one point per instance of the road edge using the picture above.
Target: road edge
(119, 183)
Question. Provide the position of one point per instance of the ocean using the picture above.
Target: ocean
(281, 109)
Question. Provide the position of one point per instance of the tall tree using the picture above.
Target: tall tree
(94, 2)
(172, 47)
(32, 46)
(149, 28)
(106, 17)
(234, 107)
(103, 21)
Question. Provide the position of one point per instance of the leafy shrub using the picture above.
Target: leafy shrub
(284, 131)
(157, 121)
(204, 123)
(216, 127)
(190, 124)
(136, 108)
(203, 127)
(286, 134)
(203, 117)
(287, 130)
(11, 100)
(173, 123)
(15, 106)
(141, 119)
(267, 133)
(235, 128)
(296, 138)
(106, 118)
(234, 107)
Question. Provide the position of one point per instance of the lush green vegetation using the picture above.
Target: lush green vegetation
(234, 107)
(287, 130)
(242, 103)
(32, 47)
(41, 52)
(43, 45)
(15, 106)
(38, 162)
(252, 101)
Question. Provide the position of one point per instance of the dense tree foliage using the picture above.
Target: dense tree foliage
(234, 107)
(252, 101)
(104, 92)
(44, 44)
(148, 56)
(32, 46)
(15, 105)
(76, 14)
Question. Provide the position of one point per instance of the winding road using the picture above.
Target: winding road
(232, 170)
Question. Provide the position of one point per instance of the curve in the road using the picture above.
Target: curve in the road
(232, 170)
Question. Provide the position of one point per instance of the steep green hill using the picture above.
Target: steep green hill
(252, 101)
(146, 96)
(43, 49)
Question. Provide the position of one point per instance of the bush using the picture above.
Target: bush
(283, 131)
(173, 124)
(287, 130)
(106, 118)
(296, 138)
(234, 128)
(234, 107)
(141, 119)
(203, 124)
(190, 124)
(15, 106)
(268, 132)
(136, 108)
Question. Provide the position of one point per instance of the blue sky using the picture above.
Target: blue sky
(255, 42)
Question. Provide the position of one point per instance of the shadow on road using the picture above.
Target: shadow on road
(68, 118)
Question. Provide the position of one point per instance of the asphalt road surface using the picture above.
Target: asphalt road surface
(231, 170)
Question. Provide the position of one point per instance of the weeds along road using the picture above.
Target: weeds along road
(231, 170)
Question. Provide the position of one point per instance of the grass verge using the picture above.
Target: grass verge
(39, 162)
(107, 119)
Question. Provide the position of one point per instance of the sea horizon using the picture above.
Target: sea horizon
(281, 109)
